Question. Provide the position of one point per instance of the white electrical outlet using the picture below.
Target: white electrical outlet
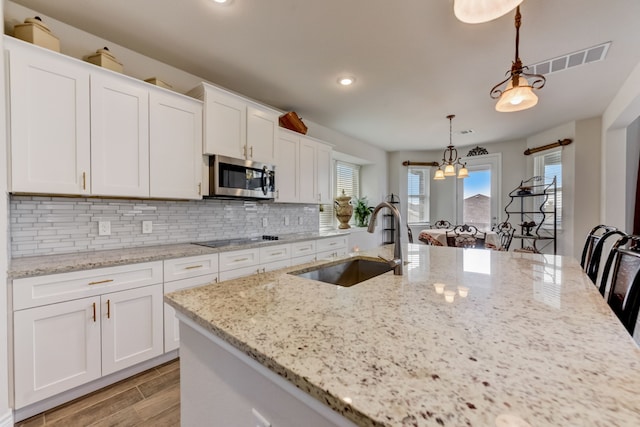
(104, 228)
(286, 220)
(147, 227)
(265, 222)
(299, 220)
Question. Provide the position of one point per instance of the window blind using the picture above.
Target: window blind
(347, 178)
(549, 165)
(418, 194)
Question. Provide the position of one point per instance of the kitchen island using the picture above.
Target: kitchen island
(531, 343)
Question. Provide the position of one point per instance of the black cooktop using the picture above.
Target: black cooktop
(235, 242)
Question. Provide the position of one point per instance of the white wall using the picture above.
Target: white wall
(618, 180)
(6, 415)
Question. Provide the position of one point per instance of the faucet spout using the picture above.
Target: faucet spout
(397, 262)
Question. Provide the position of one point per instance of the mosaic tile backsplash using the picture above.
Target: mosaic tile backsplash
(56, 225)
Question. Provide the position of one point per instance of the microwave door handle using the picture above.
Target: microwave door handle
(265, 180)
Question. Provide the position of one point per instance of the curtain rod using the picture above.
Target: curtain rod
(408, 163)
(559, 143)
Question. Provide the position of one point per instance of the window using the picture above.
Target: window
(418, 194)
(347, 178)
(549, 166)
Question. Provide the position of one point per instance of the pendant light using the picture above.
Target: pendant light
(450, 160)
(518, 94)
(479, 11)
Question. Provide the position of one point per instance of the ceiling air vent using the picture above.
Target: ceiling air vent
(570, 60)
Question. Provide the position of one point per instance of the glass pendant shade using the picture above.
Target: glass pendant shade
(517, 98)
(479, 11)
(449, 170)
(439, 174)
(463, 172)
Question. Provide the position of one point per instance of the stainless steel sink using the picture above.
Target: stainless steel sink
(345, 273)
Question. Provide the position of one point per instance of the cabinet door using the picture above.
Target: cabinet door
(225, 124)
(175, 145)
(307, 171)
(132, 327)
(57, 348)
(323, 173)
(262, 135)
(119, 137)
(171, 323)
(287, 183)
(50, 137)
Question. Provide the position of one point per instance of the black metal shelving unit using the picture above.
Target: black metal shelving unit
(534, 203)
(389, 223)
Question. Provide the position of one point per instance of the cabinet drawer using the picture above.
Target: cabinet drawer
(275, 253)
(331, 253)
(183, 268)
(303, 248)
(239, 259)
(41, 290)
(275, 265)
(331, 243)
(303, 259)
(238, 272)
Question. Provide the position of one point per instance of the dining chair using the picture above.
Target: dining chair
(505, 232)
(621, 275)
(590, 242)
(465, 236)
(409, 234)
(601, 251)
(441, 224)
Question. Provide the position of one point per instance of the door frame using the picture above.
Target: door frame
(494, 161)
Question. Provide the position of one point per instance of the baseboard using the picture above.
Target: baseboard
(6, 420)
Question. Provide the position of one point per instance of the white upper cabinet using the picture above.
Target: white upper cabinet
(237, 127)
(287, 183)
(49, 109)
(119, 136)
(176, 163)
(307, 170)
(262, 135)
(323, 172)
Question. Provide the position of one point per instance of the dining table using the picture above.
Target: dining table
(440, 235)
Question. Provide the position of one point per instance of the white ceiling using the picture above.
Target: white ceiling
(415, 63)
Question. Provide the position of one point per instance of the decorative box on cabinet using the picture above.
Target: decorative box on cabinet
(183, 273)
(237, 127)
(72, 328)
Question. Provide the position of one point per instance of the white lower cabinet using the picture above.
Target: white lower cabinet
(184, 273)
(132, 327)
(73, 328)
(56, 347)
(331, 247)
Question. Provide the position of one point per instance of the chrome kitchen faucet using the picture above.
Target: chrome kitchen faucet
(397, 261)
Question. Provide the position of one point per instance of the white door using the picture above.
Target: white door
(132, 327)
(50, 137)
(478, 196)
(262, 135)
(307, 171)
(225, 124)
(175, 147)
(119, 137)
(56, 348)
(323, 173)
(287, 184)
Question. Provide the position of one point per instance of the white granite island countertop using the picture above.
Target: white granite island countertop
(533, 339)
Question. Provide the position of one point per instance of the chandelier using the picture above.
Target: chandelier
(451, 161)
(479, 11)
(518, 95)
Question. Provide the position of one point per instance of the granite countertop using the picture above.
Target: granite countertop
(533, 342)
(52, 264)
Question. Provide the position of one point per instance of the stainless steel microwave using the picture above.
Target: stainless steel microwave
(229, 177)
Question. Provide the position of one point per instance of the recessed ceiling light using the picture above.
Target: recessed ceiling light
(223, 2)
(346, 80)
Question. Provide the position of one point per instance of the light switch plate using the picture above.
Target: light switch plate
(147, 227)
(265, 222)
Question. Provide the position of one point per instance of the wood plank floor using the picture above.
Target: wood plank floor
(151, 398)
